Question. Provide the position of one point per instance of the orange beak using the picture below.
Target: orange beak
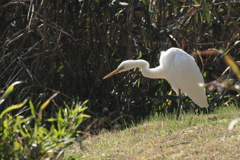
(112, 73)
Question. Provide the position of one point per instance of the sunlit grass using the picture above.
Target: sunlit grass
(160, 137)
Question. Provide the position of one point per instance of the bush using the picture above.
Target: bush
(30, 137)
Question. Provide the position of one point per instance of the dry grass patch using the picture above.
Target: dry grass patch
(192, 137)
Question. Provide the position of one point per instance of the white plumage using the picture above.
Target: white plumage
(178, 68)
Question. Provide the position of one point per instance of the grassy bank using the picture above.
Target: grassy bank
(163, 137)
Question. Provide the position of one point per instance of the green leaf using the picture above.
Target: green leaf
(60, 68)
(140, 54)
(32, 108)
(51, 119)
(86, 101)
(16, 106)
(139, 82)
(207, 13)
(196, 17)
(118, 59)
(45, 104)
(24, 134)
(144, 2)
(9, 91)
(85, 115)
(17, 145)
(82, 109)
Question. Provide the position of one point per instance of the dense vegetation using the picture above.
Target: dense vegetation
(68, 46)
(28, 137)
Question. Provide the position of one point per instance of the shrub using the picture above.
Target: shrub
(30, 137)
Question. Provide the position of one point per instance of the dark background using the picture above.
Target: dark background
(68, 46)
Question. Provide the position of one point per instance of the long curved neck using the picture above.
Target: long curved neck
(155, 73)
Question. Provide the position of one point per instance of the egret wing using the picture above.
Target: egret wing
(185, 75)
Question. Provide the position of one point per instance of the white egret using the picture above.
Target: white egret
(178, 68)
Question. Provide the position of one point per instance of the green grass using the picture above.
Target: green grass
(163, 137)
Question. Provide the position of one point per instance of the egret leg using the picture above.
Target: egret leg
(179, 103)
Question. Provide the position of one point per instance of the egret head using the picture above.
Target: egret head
(124, 66)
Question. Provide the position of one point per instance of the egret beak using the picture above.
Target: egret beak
(112, 73)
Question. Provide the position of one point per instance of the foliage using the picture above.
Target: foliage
(68, 46)
(31, 138)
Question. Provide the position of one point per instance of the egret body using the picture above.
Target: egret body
(178, 68)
